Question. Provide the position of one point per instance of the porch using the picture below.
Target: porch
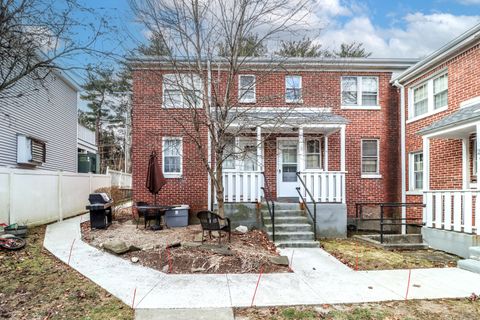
(284, 158)
(453, 213)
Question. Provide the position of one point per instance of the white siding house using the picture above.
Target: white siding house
(39, 121)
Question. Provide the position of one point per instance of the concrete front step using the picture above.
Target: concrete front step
(474, 253)
(297, 244)
(282, 206)
(285, 220)
(280, 236)
(470, 265)
(290, 227)
(284, 213)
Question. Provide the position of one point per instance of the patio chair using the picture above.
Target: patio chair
(146, 213)
(213, 222)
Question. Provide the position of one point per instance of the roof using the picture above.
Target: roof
(461, 116)
(287, 116)
(397, 64)
(451, 49)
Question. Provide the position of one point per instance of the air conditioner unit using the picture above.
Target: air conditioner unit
(30, 150)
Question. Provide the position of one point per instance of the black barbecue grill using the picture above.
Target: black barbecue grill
(100, 210)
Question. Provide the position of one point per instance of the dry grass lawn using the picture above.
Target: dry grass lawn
(35, 285)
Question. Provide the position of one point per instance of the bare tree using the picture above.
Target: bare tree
(39, 36)
(193, 31)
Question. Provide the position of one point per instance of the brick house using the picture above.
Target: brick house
(345, 145)
(440, 97)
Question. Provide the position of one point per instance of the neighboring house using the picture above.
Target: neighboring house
(38, 124)
(440, 105)
(341, 134)
(88, 158)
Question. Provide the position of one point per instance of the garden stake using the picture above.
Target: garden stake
(258, 281)
(134, 293)
(70, 255)
(408, 283)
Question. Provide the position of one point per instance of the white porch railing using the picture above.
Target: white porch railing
(242, 186)
(327, 186)
(452, 210)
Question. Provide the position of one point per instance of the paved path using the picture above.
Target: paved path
(318, 278)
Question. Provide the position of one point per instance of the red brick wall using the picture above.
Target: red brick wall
(320, 89)
(445, 154)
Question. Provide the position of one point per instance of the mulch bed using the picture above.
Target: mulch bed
(246, 253)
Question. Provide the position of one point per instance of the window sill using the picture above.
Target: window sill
(172, 175)
(294, 101)
(248, 101)
(414, 193)
(428, 114)
(371, 176)
(361, 107)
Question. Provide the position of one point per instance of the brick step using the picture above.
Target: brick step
(297, 244)
(290, 227)
(300, 235)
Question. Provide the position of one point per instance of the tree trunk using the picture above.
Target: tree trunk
(219, 192)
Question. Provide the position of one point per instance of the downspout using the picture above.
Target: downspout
(402, 151)
(209, 153)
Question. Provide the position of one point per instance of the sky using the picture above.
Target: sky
(388, 29)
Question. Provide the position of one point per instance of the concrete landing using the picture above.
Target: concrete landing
(185, 314)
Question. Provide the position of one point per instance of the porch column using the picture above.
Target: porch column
(259, 149)
(342, 148)
(301, 151)
(477, 141)
(466, 164)
(426, 163)
(325, 153)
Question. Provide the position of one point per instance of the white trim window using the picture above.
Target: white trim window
(241, 154)
(416, 171)
(370, 157)
(182, 91)
(246, 88)
(428, 97)
(313, 157)
(293, 89)
(229, 155)
(359, 92)
(172, 157)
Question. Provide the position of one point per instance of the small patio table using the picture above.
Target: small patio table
(159, 211)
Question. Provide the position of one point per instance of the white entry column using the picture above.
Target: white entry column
(301, 151)
(477, 156)
(259, 149)
(325, 153)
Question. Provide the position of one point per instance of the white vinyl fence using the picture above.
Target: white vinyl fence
(120, 179)
(36, 197)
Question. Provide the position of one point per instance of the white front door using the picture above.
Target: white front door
(287, 167)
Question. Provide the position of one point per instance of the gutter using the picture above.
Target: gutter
(402, 151)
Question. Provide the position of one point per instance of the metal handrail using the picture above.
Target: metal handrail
(314, 216)
(268, 198)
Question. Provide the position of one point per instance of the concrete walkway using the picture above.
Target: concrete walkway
(318, 278)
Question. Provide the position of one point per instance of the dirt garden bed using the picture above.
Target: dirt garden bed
(246, 253)
(368, 257)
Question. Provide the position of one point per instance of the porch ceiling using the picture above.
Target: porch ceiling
(457, 125)
(283, 120)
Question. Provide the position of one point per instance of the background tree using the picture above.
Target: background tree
(156, 46)
(248, 46)
(39, 36)
(352, 50)
(300, 48)
(197, 31)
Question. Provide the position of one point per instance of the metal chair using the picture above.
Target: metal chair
(147, 214)
(213, 222)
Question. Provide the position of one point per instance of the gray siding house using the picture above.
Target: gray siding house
(38, 124)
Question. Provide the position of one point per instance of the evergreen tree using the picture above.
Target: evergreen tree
(300, 48)
(249, 46)
(352, 50)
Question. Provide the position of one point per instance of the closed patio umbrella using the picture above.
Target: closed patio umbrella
(155, 178)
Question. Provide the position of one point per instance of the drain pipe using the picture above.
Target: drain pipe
(402, 152)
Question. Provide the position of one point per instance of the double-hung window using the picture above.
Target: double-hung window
(293, 89)
(241, 154)
(416, 171)
(182, 91)
(429, 97)
(246, 88)
(359, 91)
(172, 157)
(229, 154)
(370, 157)
(312, 154)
